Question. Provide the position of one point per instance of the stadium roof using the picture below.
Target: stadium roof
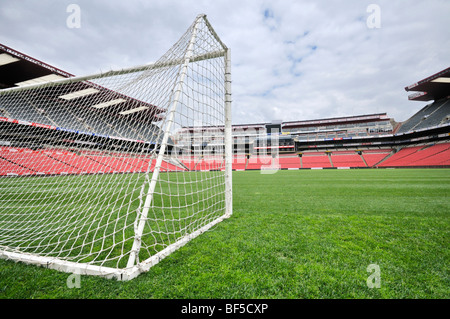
(16, 68)
(20, 70)
(338, 120)
(434, 87)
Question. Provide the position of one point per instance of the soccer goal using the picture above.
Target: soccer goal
(108, 174)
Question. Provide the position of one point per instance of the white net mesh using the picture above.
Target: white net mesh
(115, 170)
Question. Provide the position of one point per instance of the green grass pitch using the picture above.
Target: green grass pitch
(294, 234)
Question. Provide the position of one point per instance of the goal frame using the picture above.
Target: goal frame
(134, 266)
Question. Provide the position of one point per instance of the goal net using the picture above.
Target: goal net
(109, 173)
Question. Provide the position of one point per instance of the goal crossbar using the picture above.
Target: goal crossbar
(110, 73)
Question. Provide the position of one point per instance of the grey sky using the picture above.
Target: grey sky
(291, 59)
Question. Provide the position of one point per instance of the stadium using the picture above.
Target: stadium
(360, 141)
(111, 174)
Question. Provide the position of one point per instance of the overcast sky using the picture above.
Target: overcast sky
(291, 59)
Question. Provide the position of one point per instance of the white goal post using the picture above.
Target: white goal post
(109, 173)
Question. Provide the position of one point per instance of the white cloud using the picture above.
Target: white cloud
(292, 60)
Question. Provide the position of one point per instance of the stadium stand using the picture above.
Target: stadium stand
(114, 164)
(200, 163)
(190, 162)
(316, 160)
(16, 161)
(431, 115)
(435, 155)
(347, 159)
(360, 141)
(138, 164)
(239, 162)
(258, 162)
(10, 169)
(78, 116)
(37, 162)
(420, 156)
(84, 164)
(373, 157)
(289, 162)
